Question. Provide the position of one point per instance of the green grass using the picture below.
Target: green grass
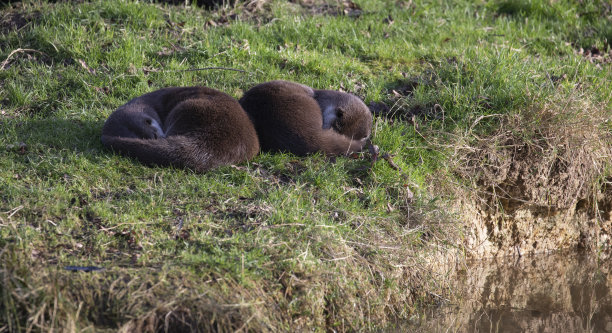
(280, 242)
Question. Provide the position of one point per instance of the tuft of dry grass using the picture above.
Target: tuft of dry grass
(552, 157)
(549, 154)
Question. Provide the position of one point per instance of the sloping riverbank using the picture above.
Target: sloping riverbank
(492, 119)
(540, 182)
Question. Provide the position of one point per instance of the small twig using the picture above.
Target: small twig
(20, 50)
(337, 259)
(481, 118)
(392, 164)
(374, 150)
(374, 246)
(245, 324)
(242, 305)
(49, 221)
(438, 296)
(295, 225)
(14, 211)
(208, 68)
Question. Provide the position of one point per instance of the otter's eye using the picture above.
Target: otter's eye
(337, 125)
(148, 121)
(339, 112)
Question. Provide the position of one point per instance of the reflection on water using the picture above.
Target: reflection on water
(544, 293)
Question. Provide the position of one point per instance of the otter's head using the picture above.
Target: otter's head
(144, 126)
(353, 118)
(153, 129)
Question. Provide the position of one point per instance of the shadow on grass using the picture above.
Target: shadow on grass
(53, 135)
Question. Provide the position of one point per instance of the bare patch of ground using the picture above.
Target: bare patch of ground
(318, 7)
(596, 56)
(16, 19)
(537, 184)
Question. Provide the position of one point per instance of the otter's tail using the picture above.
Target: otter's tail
(179, 151)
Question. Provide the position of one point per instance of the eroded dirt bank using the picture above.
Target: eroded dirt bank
(539, 183)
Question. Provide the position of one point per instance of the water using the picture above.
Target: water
(543, 293)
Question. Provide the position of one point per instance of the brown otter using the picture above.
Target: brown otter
(293, 117)
(195, 127)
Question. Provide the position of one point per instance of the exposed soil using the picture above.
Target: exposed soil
(14, 19)
(536, 184)
(319, 7)
(595, 55)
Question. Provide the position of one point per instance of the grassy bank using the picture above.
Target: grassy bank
(280, 242)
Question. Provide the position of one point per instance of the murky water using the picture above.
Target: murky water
(543, 293)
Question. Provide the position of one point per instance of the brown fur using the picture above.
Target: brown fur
(292, 117)
(194, 127)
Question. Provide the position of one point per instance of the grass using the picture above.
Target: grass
(281, 242)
